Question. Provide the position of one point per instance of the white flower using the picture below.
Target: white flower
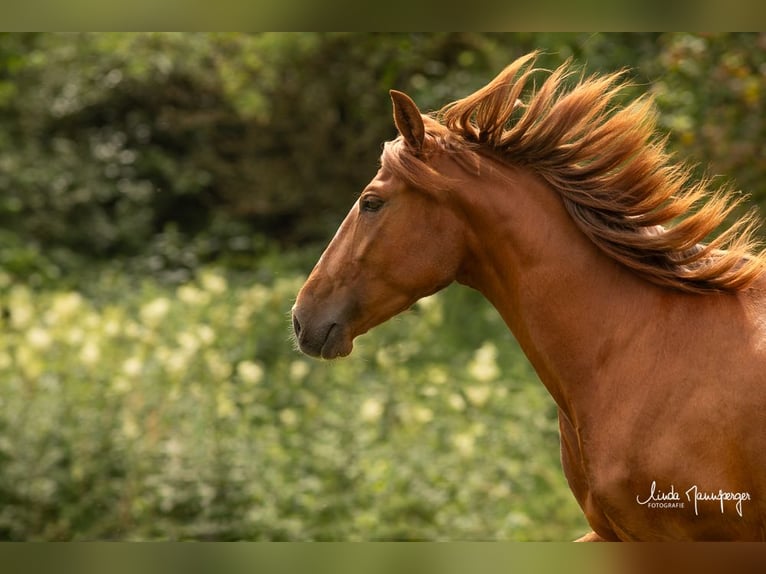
(192, 295)
(224, 406)
(90, 353)
(188, 342)
(250, 372)
(483, 367)
(112, 327)
(39, 338)
(371, 410)
(20, 304)
(154, 312)
(66, 305)
(258, 295)
(75, 335)
(464, 443)
(288, 417)
(478, 395)
(437, 374)
(205, 334)
(213, 283)
(175, 363)
(422, 414)
(456, 402)
(29, 362)
(133, 367)
(299, 370)
(428, 302)
(219, 367)
(121, 385)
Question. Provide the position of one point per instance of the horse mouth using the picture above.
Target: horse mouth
(336, 344)
(328, 342)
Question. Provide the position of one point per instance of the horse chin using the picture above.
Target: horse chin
(337, 344)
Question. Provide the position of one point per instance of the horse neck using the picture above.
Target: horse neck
(565, 301)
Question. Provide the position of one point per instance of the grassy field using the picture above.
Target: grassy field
(132, 410)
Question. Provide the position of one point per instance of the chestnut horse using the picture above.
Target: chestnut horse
(563, 208)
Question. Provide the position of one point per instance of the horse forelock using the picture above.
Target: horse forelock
(415, 167)
(605, 159)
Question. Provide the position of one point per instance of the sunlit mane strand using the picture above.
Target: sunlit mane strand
(616, 178)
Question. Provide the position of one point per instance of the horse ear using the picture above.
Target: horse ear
(408, 120)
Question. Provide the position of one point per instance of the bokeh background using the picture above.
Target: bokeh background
(162, 199)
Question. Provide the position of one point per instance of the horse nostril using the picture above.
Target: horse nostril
(296, 325)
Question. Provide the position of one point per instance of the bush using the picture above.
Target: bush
(144, 411)
(111, 142)
(109, 138)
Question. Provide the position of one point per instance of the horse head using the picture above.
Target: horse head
(398, 243)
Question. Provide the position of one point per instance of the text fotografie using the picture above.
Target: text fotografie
(672, 499)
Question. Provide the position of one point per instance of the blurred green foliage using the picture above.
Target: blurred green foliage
(712, 92)
(182, 148)
(153, 412)
(162, 196)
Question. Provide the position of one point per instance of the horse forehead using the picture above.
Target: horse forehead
(384, 180)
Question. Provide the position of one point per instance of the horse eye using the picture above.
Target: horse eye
(371, 204)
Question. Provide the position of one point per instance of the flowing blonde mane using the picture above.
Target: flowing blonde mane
(616, 179)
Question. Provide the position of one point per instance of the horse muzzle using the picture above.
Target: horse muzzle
(320, 337)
